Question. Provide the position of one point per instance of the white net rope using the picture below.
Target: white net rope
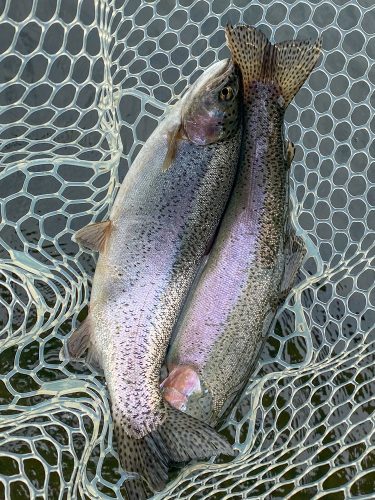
(82, 85)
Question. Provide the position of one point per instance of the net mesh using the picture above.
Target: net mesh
(82, 85)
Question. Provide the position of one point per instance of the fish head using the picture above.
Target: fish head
(211, 111)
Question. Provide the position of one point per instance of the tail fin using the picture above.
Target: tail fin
(179, 438)
(285, 64)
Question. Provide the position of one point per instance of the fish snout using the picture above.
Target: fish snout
(175, 398)
(181, 383)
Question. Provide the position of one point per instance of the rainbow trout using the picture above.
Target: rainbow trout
(256, 255)
(162, 222)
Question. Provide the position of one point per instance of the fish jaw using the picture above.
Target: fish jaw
(181, 383)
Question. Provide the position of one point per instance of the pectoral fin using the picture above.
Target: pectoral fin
(173, 137)
(94, 236)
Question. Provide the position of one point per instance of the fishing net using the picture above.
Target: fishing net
(83, 84)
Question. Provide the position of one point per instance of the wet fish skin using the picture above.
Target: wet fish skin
(160, 225)
(256, 254)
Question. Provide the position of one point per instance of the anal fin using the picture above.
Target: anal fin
(94, 236)
(79, 340)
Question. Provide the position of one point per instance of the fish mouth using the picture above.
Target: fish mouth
(181, 382)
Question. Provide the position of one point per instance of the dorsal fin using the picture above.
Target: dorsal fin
(94, 236)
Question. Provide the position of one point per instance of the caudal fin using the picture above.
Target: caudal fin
(179, 439)
(285, 64)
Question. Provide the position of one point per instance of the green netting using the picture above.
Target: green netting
(82, 85)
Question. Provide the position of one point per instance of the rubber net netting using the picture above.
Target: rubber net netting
(83, 84)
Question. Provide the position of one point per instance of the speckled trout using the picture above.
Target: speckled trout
(158, 232)
(256, 255)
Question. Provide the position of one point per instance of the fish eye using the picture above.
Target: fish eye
(226, 94)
